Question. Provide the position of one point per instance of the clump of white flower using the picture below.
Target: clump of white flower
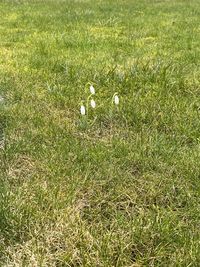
(90, 103)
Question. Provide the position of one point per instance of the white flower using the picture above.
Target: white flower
(93, 104)
(116, 100)
(83, 110)
(1, 99)
(92, 90)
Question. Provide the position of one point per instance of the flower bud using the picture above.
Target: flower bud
(92, 90)
(116, 100)
(82, 110)
(93, 104)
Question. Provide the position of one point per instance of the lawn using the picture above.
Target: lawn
(119, 186)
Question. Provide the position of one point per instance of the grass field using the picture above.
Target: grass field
(121, 185)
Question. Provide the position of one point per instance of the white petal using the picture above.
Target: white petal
(93, 104)
(92, 90)
(83, 110)
(116, 100)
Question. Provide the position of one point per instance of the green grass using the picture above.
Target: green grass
(125, 190)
